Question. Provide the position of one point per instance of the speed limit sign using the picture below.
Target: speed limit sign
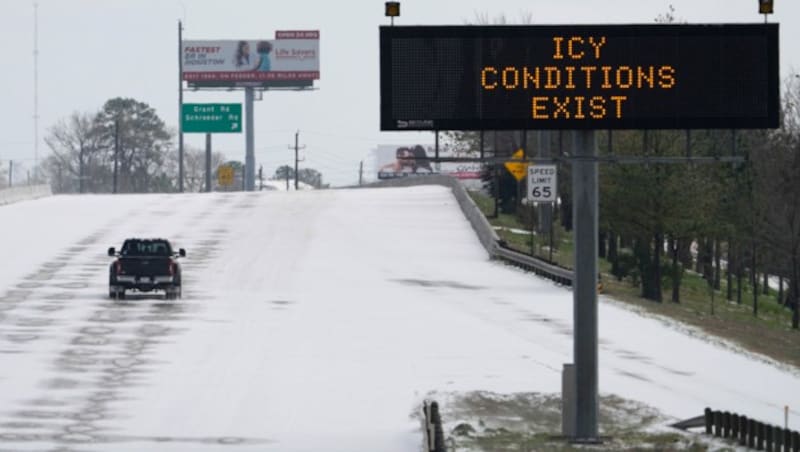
(542, 183)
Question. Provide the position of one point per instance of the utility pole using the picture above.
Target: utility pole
(81, 176)
(260, 177)
(10, 173)
(35, 88)
(297, 160)
(116, 154)
(361, 173)
(180, 112)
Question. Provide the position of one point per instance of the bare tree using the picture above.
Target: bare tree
(194, 166)
(75, 163)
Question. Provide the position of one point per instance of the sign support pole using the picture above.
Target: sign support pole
(250, 159)
(208, 162)
(584, 292)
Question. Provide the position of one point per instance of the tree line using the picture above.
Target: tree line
(125, 147)
(739, 221)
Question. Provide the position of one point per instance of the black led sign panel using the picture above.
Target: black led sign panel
(579, 77)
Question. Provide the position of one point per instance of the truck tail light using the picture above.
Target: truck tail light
(171, 267)
(119, 267)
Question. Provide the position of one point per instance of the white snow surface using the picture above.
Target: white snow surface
(310, 321)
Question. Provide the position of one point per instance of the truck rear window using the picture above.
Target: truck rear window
(146, 248)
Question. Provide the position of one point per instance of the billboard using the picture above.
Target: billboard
(395, 161)
(290, 60)
(579, 77)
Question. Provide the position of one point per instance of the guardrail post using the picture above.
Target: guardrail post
(743, 430)
(768, 437)
(717, 423)
(786, 439)
(438, 431)
(726, 424)
(426, 410)
(709, 420)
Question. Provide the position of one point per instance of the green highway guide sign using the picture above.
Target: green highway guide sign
(212, 118)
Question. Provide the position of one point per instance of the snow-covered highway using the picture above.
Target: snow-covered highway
(310, 321)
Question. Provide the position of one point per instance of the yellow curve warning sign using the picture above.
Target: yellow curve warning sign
(517, 169)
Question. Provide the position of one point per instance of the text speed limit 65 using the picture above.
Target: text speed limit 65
(542, 183)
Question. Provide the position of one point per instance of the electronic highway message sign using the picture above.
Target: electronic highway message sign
(579, 77)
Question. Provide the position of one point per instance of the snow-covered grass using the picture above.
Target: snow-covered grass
(311, 320)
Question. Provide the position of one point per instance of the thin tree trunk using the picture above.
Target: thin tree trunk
(754, 280)
(676, 272)
(739, 274)
(613, 256)
(81, 178)
(685, 253)
(717, 262)
(795, 290)
(642, 251)
(659, 245)
(708, 263)
(701, 249)
(765, 284)
(729, 270)
(601, 244)
(780, 290)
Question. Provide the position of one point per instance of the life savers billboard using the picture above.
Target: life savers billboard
(291, 59)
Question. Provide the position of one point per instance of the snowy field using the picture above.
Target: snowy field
(310, 321)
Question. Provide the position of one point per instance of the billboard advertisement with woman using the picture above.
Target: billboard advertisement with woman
(292, 58)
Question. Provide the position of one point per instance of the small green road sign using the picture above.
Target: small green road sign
(212, 118)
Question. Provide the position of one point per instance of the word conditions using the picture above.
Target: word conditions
(581, 69)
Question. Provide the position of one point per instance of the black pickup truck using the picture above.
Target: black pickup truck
(145, 265)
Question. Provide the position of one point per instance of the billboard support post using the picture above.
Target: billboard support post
(180, 107)
(584, 293)
(250, 159)
(208, 162)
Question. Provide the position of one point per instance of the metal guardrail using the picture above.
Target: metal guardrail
(23, 193)
(540, 267)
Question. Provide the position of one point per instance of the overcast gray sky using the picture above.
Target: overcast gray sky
(93, 50)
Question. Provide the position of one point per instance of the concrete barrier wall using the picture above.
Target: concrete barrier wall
(23, 193)
(486, 234)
